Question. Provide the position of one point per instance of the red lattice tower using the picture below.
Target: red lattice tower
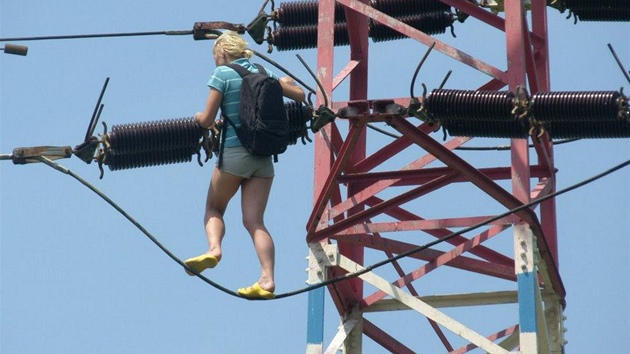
(365, 210)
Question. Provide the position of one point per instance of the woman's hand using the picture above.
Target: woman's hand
(199, 117)
(291, 89)
(288, 80)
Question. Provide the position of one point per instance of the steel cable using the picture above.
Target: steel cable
(367, 269)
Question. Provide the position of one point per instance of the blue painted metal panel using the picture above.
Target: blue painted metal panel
(527, 301)
(315, 320)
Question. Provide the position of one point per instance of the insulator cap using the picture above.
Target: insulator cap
(15, 49)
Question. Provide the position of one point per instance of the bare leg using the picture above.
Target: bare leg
(222, 188)
(254, 194)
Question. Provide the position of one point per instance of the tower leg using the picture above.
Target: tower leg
(528, 292)
(316, 301)
(354, 341)
(555, 318)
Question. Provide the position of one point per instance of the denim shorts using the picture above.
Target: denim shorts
(238, 161)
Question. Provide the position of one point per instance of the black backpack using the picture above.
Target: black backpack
(264, 129)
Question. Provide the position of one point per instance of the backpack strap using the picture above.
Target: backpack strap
(239, 69)
(244, 72)
(222, 142)
(261, 69)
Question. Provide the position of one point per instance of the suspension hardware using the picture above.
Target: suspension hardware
(211, 30)
(24, 155)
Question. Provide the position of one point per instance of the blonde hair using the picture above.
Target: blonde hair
(233, 45)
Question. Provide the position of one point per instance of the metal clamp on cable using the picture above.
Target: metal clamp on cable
(256, 28)
(323, 115)
(209, 142)
(86, 150)
(416, 109)
(24, 155)
(210, 30)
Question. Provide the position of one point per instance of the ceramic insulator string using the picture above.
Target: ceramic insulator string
(116, 161)
(305, 37)
(599, 10)
(430, 23)
(449, 104)
(154, 136)
(302, 13)
(163, 142)
(397, 8)
(299, 116)
(152, 143)
(578, 106)
(563, 115)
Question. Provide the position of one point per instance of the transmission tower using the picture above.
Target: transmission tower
(375, 235)
(366, 210)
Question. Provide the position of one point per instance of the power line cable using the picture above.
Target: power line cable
(99, 35)
(64, 170)
(347, 276)
(457, 233)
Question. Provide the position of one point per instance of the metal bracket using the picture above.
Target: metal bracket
(323, 115)
(349, 335)
(86, 150)
(256, 28)
(210, 30)
(321, 256)
(24, 155)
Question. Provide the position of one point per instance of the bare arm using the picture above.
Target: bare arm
(206, 118)
(291, 90)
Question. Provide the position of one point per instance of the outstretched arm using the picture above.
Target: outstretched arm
(206, 118)
(291, 90)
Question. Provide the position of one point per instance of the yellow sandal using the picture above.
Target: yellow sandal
(201, 263)
(255, 292)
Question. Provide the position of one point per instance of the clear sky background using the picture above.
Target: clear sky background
(76, 277)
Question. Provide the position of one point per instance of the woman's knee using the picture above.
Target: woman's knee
(253, 223)
(213, 213)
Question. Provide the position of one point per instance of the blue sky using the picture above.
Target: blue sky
(76, 277)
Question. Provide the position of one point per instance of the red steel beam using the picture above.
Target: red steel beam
(444, 259)
(384, 339)
(464, 263)
(482, 252)
(510, 201)
(527, 58)
(426, 39)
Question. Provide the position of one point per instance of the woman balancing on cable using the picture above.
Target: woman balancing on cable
(237, 168)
